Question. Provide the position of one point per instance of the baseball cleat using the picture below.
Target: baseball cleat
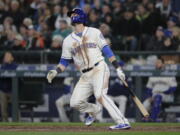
(120, 126)
(89, 120)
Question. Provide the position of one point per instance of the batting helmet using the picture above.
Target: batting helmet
(81, 16)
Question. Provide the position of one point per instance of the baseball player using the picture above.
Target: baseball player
(159, 89)
(64, 99)
(85, 46)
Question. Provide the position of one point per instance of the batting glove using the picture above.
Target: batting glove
(51, 74)
(120, 74)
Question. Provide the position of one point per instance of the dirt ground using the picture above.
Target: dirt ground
(87, 129)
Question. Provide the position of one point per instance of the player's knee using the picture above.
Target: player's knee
(147, 104)
(74, 104)
(122, 99)
(157, 100)
(100, 99)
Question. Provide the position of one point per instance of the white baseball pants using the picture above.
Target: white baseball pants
(60, 102)
(95, 82)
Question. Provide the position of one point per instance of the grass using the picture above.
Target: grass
(129, 132)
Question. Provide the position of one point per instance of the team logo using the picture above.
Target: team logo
(86, 45)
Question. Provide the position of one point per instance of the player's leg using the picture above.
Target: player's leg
(82, 91)
(100, 84)
(60, 102)
(99, 115)
(156, 108)
(4, 106)
(147, 103)
(121, 101)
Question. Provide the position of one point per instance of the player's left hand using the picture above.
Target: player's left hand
(51, 74)
(120, 74)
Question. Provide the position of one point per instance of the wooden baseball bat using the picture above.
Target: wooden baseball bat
(136, 100)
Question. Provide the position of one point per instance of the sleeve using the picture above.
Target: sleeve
(149, 84)
(172, 86)
(101, 41)
(66, 50)
(64, 62)
(173, 82)
(107, 51)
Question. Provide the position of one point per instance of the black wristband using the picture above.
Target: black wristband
(115, 64)
(58, 70)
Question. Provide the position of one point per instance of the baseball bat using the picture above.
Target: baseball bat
(136, 100)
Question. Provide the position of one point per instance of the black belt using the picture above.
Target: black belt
(89, 69)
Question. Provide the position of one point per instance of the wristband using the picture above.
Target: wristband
(115, 64)
(58, 70)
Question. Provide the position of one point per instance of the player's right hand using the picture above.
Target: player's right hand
(120, 74)
(51, 74)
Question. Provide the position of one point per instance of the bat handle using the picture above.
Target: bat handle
(125, 83)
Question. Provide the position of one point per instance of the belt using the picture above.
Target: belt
(89, 69)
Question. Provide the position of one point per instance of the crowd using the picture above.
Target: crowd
(147, 25)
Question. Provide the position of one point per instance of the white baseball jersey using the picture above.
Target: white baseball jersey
(161, 84)
(84, 50)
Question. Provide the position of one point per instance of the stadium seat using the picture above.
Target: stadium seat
(30, 96)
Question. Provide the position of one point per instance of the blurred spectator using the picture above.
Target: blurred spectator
(45, 16)
(93, 19)
(149, 20)
(105, 10)
(8, 25)
(5, 85)
(117, 9)
(106, 31)
(23, 31)
(64, 30)
(108, 19)
(16, 13)
(27, 22)
(62, 16)
(8, 40)
(176, 36)
(159, 89)
(131, 4)
(3, 12)
(171, 22)
(56, 42)
(35, 39)
(53, 17)
(87, 8)
(45, 32)
(19, 43)
(145, 3)
(169, 43)
(156, 41)
(97, 5)
(164, 7)
(129, 30)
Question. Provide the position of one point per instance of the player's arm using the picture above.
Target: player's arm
(63, 63)
(110, 55)
(172, 86)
